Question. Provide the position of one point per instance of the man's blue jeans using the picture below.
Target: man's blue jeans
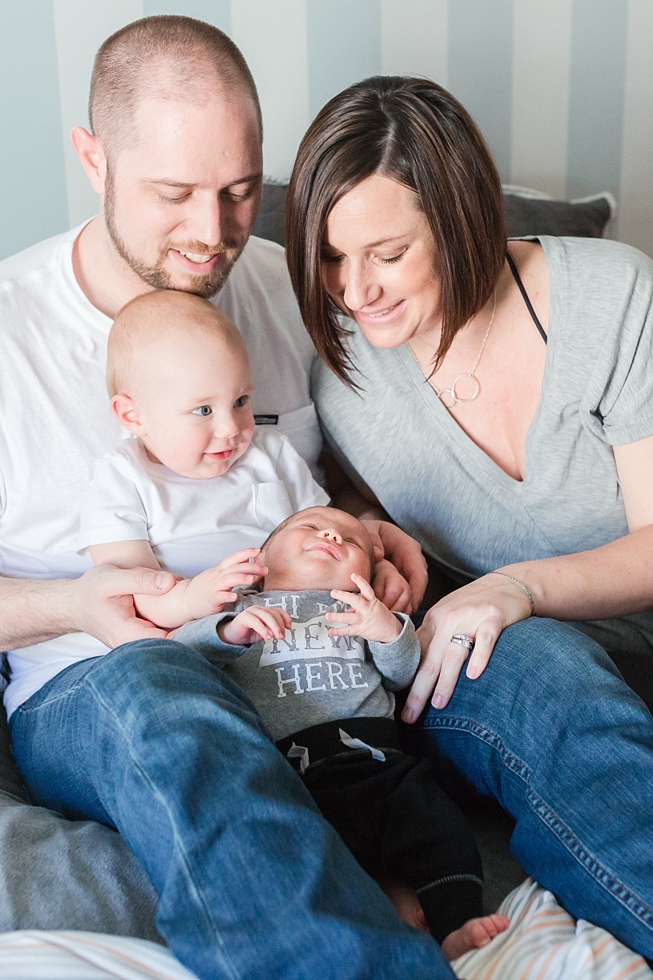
(253, 883)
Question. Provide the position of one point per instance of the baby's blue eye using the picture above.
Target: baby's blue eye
(203, 410)
(241, 402)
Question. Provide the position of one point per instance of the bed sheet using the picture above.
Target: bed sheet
(543, 942)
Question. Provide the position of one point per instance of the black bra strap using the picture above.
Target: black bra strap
(517, 278)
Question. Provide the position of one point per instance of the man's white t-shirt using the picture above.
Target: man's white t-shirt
(55, 419)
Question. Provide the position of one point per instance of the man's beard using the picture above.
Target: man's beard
(156, 275)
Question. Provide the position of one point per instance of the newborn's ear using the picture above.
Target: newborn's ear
(127, 413)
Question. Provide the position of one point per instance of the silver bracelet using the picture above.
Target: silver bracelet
(521, 586)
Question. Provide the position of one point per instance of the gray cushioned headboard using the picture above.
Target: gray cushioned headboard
(524, 214)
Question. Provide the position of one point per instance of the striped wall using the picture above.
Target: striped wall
(563, 89)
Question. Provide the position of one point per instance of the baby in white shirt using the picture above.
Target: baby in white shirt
(198, 481)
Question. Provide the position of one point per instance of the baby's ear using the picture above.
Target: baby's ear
(127, 413)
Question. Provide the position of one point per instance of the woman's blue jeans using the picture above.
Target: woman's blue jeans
(156, 742)
(253, 883)
(553, 733)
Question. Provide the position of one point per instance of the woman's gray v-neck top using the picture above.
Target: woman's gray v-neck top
(397, 437)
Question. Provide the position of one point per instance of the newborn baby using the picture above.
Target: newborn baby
(320, 662)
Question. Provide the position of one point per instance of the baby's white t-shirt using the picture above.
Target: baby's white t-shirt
(193, 524)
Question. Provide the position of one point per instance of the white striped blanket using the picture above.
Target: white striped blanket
(542, 943)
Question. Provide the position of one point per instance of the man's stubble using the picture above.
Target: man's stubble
(156, 275)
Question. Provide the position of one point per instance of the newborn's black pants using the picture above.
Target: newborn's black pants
(394, 817)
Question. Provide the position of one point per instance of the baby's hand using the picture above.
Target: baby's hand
(255, 623)
(369, 619)
(210, 591)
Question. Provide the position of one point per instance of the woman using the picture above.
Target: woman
(498, 401)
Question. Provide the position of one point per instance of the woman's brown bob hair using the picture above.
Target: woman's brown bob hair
(414, 131)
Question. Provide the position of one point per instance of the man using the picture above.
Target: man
(150, 739)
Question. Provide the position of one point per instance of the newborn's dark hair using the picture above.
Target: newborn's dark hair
(280, 527)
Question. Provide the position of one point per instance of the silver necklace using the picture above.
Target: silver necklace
(457, 399)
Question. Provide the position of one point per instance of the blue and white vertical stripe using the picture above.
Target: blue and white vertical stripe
(562, 89)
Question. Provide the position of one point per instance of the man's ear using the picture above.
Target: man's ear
(91, 156)
(127, 413)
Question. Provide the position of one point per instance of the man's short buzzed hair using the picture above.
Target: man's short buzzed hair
(143, 57)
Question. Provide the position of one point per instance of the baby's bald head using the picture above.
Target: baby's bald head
(158, 327)
(179, 379)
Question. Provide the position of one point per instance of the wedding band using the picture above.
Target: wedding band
(463, 640)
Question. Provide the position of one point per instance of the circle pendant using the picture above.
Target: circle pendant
(450, 393)
(461, 398)
(447, 397)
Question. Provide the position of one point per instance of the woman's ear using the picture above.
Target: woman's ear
(128, 414)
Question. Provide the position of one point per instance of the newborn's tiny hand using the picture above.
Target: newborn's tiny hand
(368, 618)
(255, 623)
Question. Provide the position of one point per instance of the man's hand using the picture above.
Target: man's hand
(406, 556)
(102, 603)
(255, 623)
(369, 618)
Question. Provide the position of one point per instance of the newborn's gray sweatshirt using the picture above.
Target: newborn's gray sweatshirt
(309, 677)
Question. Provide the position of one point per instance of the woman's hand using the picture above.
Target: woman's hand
(481, 611)
(391, 588)
(405, 554)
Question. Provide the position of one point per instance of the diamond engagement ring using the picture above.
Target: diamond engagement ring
(463, 640)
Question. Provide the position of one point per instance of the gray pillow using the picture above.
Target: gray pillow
(526, 213)
(65, 874)
(271, 219)
(529, 213)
